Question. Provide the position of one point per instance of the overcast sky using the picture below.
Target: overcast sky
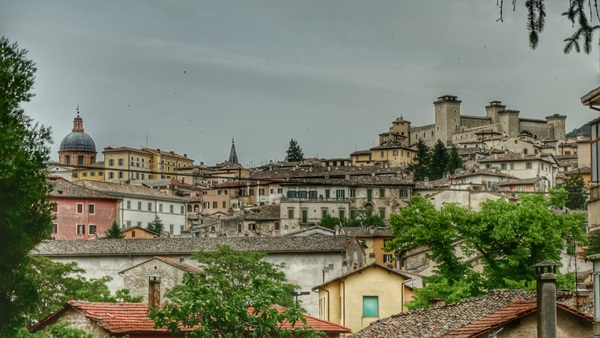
(188, 76)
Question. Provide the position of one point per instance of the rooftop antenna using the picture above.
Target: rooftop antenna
(77, 110)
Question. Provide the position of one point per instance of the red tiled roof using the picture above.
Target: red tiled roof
(129, 318)
(118, 317)
(313, 322)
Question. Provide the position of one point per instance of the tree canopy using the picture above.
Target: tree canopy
(508, 238)
(575, 187)
(25, 213)
(237, 297)
(114, 231)
(156, 226)
(58, 282)
(294, 152)
(580, 13)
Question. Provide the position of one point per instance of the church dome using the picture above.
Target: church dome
(78, 140)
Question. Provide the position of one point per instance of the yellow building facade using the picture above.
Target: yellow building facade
(363, 296)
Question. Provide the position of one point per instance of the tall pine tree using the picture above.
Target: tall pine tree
(420, 165)
(439, 160)
(575, 187)
(294, 152)
(454, 161)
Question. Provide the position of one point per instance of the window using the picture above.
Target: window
(395, 152)
(149, 206)
(528, 165)
(503, 166)
(324, 213)
(171, 228)
(382, 213)
(224, 204)
(312, 194)
(340, 194)
(171, 208)
(160, 207)
(128, 204)
(370, 306)
(304, 215)
(261, 192)
(93, 173)
(369, 195)
(111, 162)
(55, 228)
(342, 214)
(403, 193)
(388, 258)
(512, 166)
(80, 208)
(128, 224)
(91, 209)
(352, 192)
(84, 174)
(381, 192)
(182, 209)
(120, 174)
(251, 192)
(80, 229)
(215, 204)
(206, 205)
(80, 160)
(280, 190)
(120, 162)
(139, 205)
(55, 207)
(196, 208)
(291, 213)
(252, 226)
(327, 193)
(92, 229)
(67, 160)
(111, 175)
(277, 227)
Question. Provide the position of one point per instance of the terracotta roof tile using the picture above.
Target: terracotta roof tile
(472, 317)
(65, 189)
(177, 264)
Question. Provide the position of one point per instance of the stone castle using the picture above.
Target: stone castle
(452, 128)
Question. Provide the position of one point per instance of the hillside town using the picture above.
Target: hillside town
(326, 219)
(299, 169)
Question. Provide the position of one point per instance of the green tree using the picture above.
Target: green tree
(294, 152)
(61, 329)
(580, 13)
(420, 165)
(58, 282)
(156, 226)
(454, 161)
(330, 221)
(235, 298)
(594, 245)
(114, 231)
(575, 187)
(509, 238)
(439, 160)
(25, 213)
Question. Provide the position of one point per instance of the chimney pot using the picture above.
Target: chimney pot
(153, 292)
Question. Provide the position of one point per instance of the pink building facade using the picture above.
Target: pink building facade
(81, 213)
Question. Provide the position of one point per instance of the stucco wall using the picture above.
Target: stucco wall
(136, 279)
(302, 269)
(568, 326)
(542, 130)
(67, 218)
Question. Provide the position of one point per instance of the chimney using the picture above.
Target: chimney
(546, 299)
(153, 292)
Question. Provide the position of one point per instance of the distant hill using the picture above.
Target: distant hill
(581, 131)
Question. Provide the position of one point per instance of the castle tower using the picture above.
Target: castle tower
(447, 117)
(492, 110)
(558, 123)
(77, 148)
(232, 154)
(509, 122)
(401, 126)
